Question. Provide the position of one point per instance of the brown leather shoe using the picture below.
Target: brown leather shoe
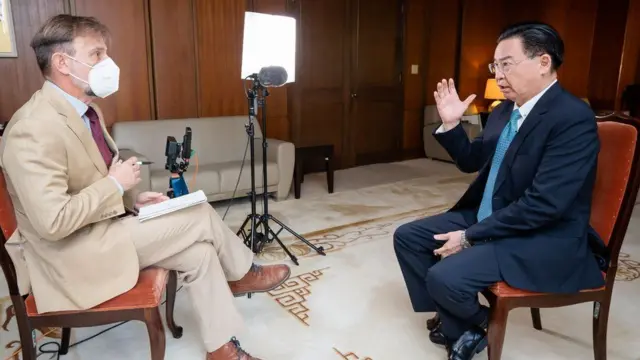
(260, 279)
(230, 351)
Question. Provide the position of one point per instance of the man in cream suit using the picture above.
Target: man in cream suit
(73, 250)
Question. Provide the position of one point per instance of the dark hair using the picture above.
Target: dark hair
(537, 39)
(58, 33)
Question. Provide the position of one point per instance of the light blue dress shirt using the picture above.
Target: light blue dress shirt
(82, 108)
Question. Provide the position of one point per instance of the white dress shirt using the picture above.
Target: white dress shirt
(525, 109)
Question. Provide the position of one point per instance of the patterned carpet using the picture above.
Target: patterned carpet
(352, 304)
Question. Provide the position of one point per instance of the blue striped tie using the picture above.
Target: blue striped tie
(508, 133)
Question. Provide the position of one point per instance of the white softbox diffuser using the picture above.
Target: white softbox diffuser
(269, 40)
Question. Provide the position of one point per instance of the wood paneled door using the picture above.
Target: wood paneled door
(349, 89)
(375, 121)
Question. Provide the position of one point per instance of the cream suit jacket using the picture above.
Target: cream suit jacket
(70, 250)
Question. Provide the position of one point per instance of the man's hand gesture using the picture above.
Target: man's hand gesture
(449, 105)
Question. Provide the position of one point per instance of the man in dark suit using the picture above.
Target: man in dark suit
(525, 219)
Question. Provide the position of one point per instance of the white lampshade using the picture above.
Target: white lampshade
(269, 40)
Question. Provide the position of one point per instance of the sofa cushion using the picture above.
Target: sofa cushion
(207, 179)
(230, 170)
(215, 139)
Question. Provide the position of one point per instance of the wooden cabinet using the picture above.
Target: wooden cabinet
(349, 86)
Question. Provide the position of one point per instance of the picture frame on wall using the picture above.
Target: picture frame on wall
(8, 46)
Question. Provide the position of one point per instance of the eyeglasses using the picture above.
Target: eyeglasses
(504, 67)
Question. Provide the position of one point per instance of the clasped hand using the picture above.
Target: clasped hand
(452, 245)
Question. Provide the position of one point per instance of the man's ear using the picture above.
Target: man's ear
(60, 63)
(545, 64)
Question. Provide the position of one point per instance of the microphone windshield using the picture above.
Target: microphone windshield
(272, 76)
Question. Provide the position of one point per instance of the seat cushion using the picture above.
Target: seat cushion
(207, 179)
(502, 289)
(230, 170)
(146, 294)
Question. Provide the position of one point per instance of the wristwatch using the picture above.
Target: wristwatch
(464, 243)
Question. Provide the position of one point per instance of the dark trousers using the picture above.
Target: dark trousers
(449, 286)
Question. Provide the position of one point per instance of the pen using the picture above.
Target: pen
(144, 162)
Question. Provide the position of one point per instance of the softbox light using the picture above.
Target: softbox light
(269, 40)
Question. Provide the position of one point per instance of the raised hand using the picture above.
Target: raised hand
(449, 105)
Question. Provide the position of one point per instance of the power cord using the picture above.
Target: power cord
(56, 353)
(233, 196)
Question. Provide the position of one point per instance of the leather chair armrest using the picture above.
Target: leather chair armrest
(282, 153)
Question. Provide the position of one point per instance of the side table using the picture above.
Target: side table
(311, 154)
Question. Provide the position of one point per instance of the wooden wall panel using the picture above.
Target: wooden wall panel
(415, 13)
(442, 43)
(577, 28)
(21, 76)
(129, 49)
(219, 30)
(278, 119)
(174, 59)
(607, 53)
(630, 63)
(478, 45)
(183, 58)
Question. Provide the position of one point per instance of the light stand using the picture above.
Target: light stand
(260, 232)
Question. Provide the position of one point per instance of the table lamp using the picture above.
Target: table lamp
(492, 92)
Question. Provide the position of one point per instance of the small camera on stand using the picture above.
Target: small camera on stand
(178, 156)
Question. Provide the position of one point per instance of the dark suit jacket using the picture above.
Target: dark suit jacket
(542, 196)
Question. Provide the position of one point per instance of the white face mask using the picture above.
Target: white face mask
(104, 77)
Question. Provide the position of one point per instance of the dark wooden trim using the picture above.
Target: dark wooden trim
(148, 29)
(401, 52)
(194, 15)
(456, 73)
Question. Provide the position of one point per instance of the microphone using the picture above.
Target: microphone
(272, 76)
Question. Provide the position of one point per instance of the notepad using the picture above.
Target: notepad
(172, 205)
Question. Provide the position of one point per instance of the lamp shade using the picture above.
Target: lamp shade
(492, 91)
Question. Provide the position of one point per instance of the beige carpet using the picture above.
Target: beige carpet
(352, 304)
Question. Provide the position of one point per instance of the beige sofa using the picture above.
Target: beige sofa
(219, 143)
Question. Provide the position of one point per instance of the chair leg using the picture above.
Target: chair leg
(497, 329)
(600, 330)
(26, 340)
(172, 289)
(535, 318)
(157, 341)
(64, 343)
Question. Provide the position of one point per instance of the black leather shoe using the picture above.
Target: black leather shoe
(468, 345)
(437, 337)
(433, 323)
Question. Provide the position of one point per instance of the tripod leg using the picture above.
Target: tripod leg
(319, 250)
(291, 256)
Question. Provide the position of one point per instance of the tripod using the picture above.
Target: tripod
(256, 239)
